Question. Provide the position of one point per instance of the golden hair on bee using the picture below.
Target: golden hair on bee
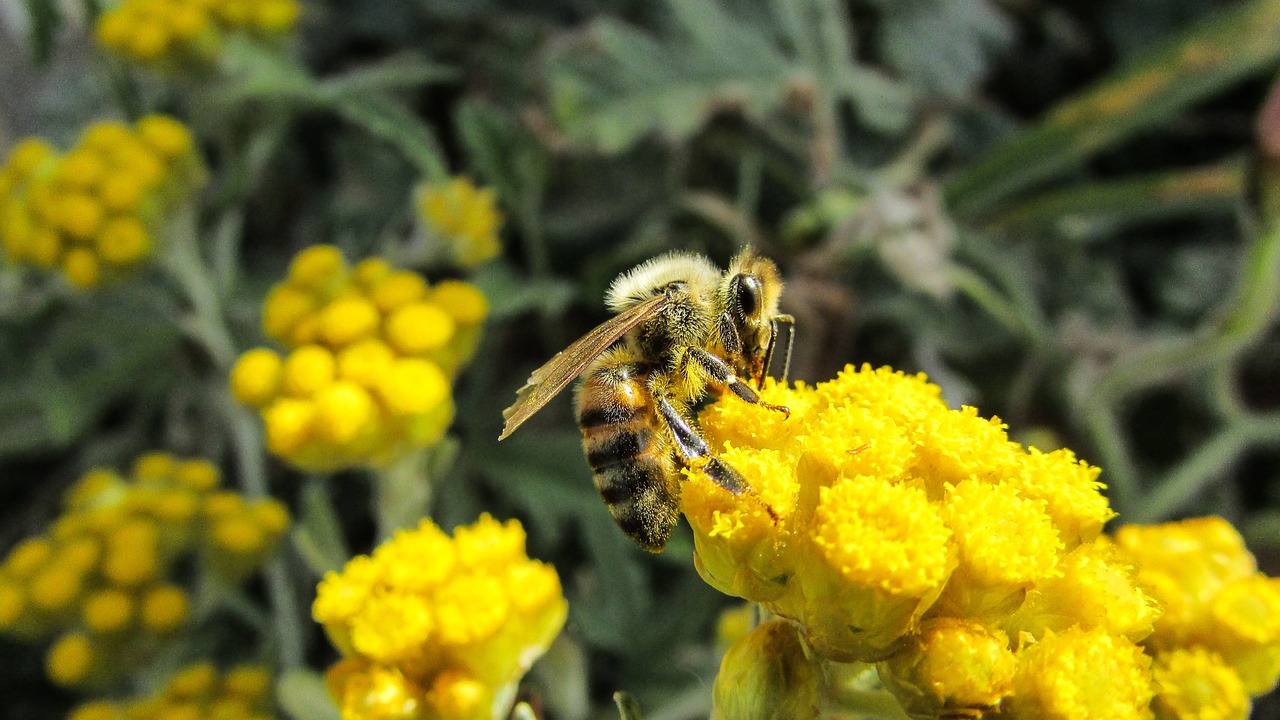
(683, 331)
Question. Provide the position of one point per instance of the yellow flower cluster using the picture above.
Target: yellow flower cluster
(892, 529)
(176, 34)
(465, 218)
(99, 578)
(96, 210)
(1218, 639)
(372, 351)
(196, 692)
(435, 628)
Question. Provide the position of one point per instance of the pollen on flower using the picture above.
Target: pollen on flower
(1079, 674)
(952, 665)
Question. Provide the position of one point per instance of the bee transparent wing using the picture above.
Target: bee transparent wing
(547, 381)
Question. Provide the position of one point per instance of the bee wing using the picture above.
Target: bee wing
(547, 381)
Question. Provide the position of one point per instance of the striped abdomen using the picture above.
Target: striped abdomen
(629, 456)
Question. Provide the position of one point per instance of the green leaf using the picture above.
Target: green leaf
(318, 534)
(1208, 58)
(392, 122)
(303, 695)
(622, 84)
(510, 295)
(942, 45)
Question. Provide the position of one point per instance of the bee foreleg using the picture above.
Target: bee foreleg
(721, 376)
(695, 453)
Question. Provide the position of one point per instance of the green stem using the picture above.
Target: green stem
(253, 479)
(207, 322)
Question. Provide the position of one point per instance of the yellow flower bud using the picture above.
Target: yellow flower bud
(1081, 674)
(766, 675)
(81, 168)
(348, 320)
(155, 467)
(275, 16)
(365, 363)
(164, 609)
(951, 668)
(419, 328)
(455, 696)
(197, 475)
(81, 268)
(461, 300)
(289, 425)
(193, 682)
(317, 267)
(123, 241)
(307, 370)
(98, 710)
(107, 611)
(168, 137)
(255, 378)
(370, 271)
(1195, 684)
(121, 193)
(343, 411)
(55, 589)
(397, 289)
(149, 41)
(284, 308)
(370, 691)
(252, 683)
(412, 386)
(27, 557)
(72, 659)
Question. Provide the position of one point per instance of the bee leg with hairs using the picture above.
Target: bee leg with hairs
(695, 453)
(720, 376)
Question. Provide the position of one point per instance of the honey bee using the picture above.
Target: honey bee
(684, 332)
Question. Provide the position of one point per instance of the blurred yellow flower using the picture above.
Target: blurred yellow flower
(100, 578)
(95, 211)
(434, 627)
(178, 35)
(197, 692)
(464, 217)
(371, 354)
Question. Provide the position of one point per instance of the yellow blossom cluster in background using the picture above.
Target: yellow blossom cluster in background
(99, 580)
(439, 628)
(98, 209)
(372, 353)
(179, 34)
(195, 692)
(891, 529)
(465, 218)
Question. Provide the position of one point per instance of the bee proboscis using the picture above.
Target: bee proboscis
(684, 330)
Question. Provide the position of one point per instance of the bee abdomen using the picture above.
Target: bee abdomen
(641, 498)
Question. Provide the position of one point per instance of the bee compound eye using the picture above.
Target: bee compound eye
(746, 294)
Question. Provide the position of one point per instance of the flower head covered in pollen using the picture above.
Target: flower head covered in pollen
(197, 692)
(465, 218)
(439, 628)
(99, 580)
(888, 528)
(96, 211)
(372, 352)
(188, 34)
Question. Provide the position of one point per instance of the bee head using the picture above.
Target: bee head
(750, 293)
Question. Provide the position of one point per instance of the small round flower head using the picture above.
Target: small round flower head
(1195, 684)
(766, 674)
(187, 35)
(370, 354)
(439, 625)
(95, 211)
(950, 668)
(464, 217)
(1081, 674)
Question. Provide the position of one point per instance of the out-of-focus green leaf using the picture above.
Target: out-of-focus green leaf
(562, 675)
(942, 45)
(1206, 59)
(510, 295)
(303, 695)
(318, 533)
(1085, 210)
(621, 84)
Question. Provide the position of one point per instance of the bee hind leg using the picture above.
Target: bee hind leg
(695, 453)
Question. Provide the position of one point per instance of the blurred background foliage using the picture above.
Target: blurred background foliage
(1055, 209)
